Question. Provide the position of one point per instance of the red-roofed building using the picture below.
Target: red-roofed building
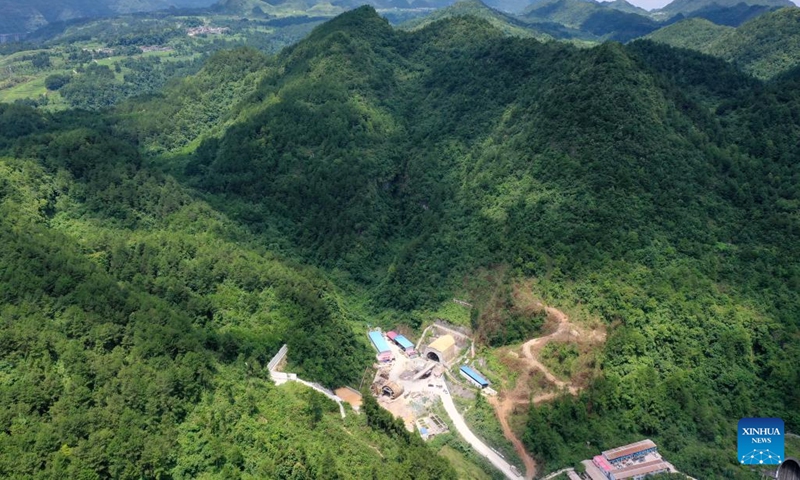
(630, 452)
(602, 464)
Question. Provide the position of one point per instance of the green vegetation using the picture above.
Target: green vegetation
(618, 20)
(560, 358)
(415, 456)
(32, 14)
(625, 6)
(157, 254)
(137, 323)
(764, 47)
(431, 180)
(692, 33)
(482, 420)
(689, 6)
(468, 458)
(792, 446)
(100, 63)
(570, 13)
(502, 314)
(475, 8)
(464, 468)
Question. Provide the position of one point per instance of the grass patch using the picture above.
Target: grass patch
(452, 313)
(560, 358)
(465, 469)
(792, 447)
(483, 422)
(460, 446)
(30, 89)
(499, 368)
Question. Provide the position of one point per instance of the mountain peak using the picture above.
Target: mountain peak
(363, 21)
(688, 6)
(625, 6)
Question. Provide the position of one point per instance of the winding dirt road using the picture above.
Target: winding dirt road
(534, 346)
(505, 407)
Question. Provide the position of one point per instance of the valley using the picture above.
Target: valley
(574, 227)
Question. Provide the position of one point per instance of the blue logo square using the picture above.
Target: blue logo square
(761, 441)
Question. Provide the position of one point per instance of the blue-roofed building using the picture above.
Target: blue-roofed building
(404, 343)
(380, 344)
(474, 377)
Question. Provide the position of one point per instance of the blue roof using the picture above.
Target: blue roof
(403, 342)
(474, 375)
(379, 342)
(423, 431)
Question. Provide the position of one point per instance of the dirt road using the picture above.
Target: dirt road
(535, 345)
(503, 410)
(505, 407)
(480, 447)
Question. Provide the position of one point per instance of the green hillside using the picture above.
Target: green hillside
(730, 16)
(687, 6)
(282, 8)
(155, 255)
(692, 33)
(570, 13)
(22, 17)
(434, 178)
(597, 20)
(765, 46)
(475, 8)
(625, 6)
(136, 323)
(99, 63)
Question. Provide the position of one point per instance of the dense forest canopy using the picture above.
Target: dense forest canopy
(157, 254)
(137, 323)
(645, 182)
(765, 47)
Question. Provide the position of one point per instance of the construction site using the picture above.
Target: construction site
(411, 380)
(407, 383)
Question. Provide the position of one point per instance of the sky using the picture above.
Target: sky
(651, 4)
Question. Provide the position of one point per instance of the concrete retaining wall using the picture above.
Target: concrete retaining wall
(278, 358)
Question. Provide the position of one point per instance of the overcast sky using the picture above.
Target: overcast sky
(651, 4)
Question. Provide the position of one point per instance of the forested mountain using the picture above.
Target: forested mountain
(136, 323)
(688, 6)
(279, 8)
(622, 22)
(625, 6)
(581, 168)
(571, 13)
(692, 33)
(156, 255)
(730, 16)
(18, 16)
(765, 46)
(601, 21)
(475, 8)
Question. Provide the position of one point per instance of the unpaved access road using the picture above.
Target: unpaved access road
(458, 421)
(503, 408)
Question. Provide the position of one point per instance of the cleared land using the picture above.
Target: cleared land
(522, 393)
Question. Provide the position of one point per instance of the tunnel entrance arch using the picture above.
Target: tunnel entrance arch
(789, 470)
